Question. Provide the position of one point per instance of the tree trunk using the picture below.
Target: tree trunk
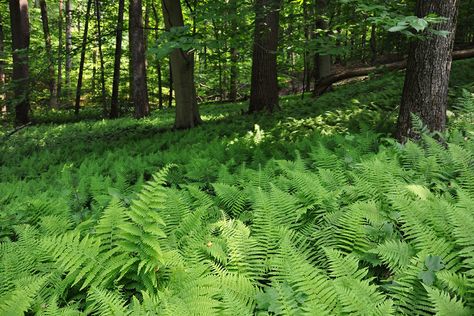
(68, 47)
(182, 65)
(49, 53)
(138, 60)
(219, 59)
(234, 52)
(373, 43)
(20, 30)
(425, 93)
(114, 106)
(3, 103)
(264, 83)
(83, 56)
(170, 95)
(101, 56)
(60, 52)
(322, 62)
(158, 62)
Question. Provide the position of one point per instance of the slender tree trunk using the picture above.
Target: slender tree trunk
(170, 95)
(68, 47)
(182, 65)
(234, 52)
(60, 52)
(138, 60)
(101, 56)
(234, 73)
(49, 53)
(158, 62)
(425, 93)
(94, 69)
(373, 43)
(83, 57)
(264, 83)
(219, 59)
(114, 106)
(3, 103)
(20, 30)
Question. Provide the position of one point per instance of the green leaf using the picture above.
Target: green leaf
(397, 28)
(428, 277)
(433, 263)
(419, 24)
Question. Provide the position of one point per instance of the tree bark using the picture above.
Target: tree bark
(322, 62)
(182, 65)
(158, 62)
(20, 30)
(114, 106)
(83, 56)
(425, 92)
(234, 52)
(101, 56)
(68, 47)
(60, 52)
(49, 53)
(138, 60)
(264, 83)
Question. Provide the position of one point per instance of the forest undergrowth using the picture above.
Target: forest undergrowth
(314, 210)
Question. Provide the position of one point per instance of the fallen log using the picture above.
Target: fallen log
(323, 84)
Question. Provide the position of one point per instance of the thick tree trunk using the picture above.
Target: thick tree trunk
(264, 84)
(425, 93)
(49, 53)
(68, 47)
(83, 57)
(138, 60)
(101, 56)
(60, 52)
(182, 65)
(158, 62)
(114, 106)
(322, 62)
(20, 30)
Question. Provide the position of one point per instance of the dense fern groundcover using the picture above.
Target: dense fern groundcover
(311, 211)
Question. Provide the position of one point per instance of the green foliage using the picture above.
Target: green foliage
(303, 216)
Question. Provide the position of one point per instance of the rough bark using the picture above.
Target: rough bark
(323, 84)
(114, 105)
(49, 53)
(322, 62)
(264, 83)
(425, 92)
(138, 60)
(20, 30)
(182, 65)
(68, 46)
(60, 52)
(83, 56)
(158, 62)
(101, 56)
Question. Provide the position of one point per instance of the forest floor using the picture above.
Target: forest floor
(73, 172)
